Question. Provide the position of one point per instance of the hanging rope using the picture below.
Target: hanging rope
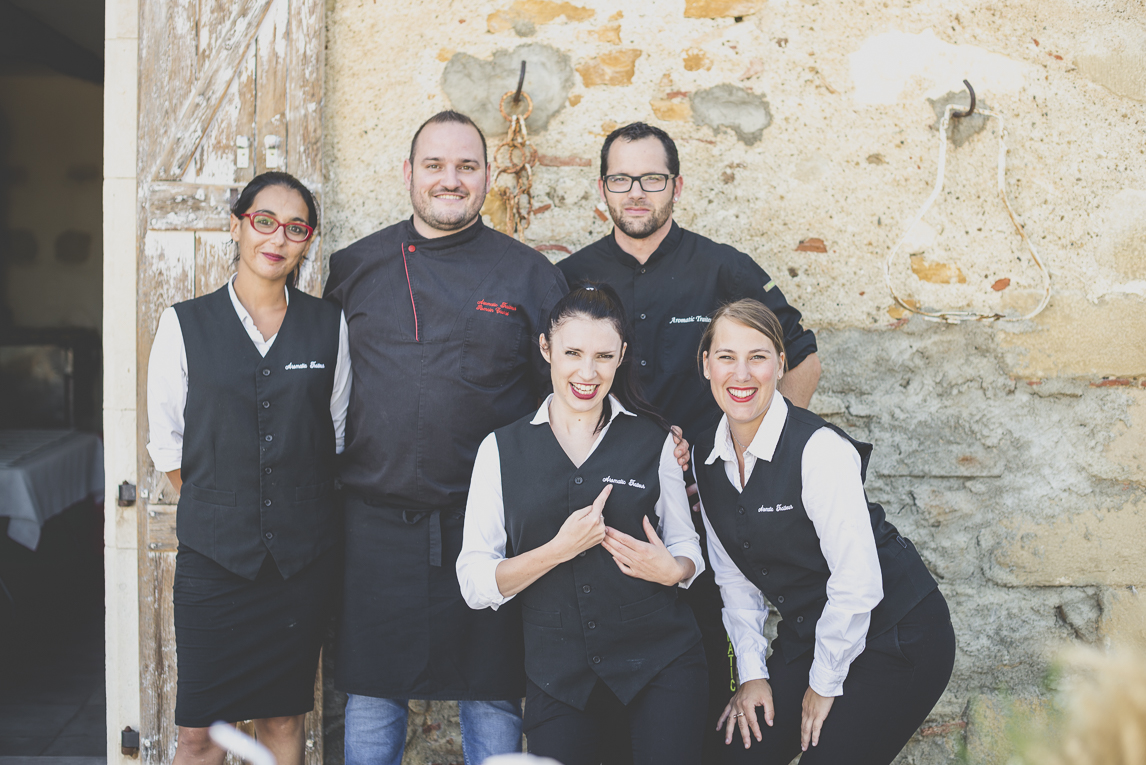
(515, 158)
(956, 316)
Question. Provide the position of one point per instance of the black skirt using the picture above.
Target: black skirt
(248, 649)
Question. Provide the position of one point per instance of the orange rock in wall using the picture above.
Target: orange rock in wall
(715, 9)
(612, 68)
(535, 12)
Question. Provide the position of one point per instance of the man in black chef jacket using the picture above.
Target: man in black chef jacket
(671, 280)
(444, 315)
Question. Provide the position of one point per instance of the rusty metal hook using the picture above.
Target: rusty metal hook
(521, 81)
(970, 109)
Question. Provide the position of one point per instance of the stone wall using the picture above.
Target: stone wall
(1011, 452)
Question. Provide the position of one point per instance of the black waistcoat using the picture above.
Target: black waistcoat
(585, 619)
(770, 537)
(258, 443)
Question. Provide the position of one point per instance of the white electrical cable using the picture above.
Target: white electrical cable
(956, 316)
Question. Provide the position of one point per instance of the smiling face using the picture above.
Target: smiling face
(447, 178)
(636, 212)
(583, 354)
(271, 256)
(743, 367)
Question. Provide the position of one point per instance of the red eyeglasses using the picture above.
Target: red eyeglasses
(265, 224)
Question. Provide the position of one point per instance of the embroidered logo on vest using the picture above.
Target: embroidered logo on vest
(775, 509)
(304, 365)
(689, 319)
(622, 482)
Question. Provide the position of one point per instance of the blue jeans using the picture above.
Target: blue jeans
(376, 729)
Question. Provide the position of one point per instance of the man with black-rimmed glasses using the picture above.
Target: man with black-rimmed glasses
(671, 280)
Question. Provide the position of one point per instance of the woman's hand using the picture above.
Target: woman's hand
(583, 529)
(741, 711)
(681, 450)
(816, 708)
(650, 560)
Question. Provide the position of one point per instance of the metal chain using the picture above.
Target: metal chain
(515, 157)
(956, 316)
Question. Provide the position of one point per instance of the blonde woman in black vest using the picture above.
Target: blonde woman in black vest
(246, 398)
(865, 646)
(578, 515)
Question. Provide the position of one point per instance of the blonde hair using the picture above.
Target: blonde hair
(750, 313)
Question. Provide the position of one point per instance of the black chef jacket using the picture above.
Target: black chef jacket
(443, 339)
(669, 300)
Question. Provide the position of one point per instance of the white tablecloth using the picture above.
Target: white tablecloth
(42, 472)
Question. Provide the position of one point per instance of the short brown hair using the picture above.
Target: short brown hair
(449, 115)
(750, 313)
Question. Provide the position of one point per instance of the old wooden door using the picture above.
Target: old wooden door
(227, 90)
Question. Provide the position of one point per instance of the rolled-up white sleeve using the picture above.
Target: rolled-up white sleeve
(166, 393)
(676, 529)
(483, 536)
(745, 609)
(340, 396)
(834, 500)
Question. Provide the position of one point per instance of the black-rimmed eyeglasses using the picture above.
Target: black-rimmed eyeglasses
(650, 182)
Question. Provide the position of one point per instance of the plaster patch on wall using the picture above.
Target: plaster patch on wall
(475, 87)
(1115, 58)
(884, 64)
(1122, 247)
(745, 114)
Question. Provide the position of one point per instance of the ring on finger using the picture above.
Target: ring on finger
(739, 714)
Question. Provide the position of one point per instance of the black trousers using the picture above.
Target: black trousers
(665, 721)
(889, 691)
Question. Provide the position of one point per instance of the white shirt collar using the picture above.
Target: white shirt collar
(763, 444)
(615, 407)
(245, 316)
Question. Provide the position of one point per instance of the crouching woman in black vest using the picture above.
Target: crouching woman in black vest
(247, 391)
(865, 646)
(566, 515)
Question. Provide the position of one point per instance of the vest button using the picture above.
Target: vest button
(266, 373)
(799, 620)
(269, 535)
(642, 316)
(266, 405)
(581, 554)
(270, 438)
(644, 363)
(643, 270)
(596, 659)
(740, 510)
(586, 588)
(763, 572)
(746, 544)
(267, 502)
(578, 480)
(779, 598)
(592, 625)
(267, 471)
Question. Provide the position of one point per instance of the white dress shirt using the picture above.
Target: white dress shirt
(483, 539)
(167, 383)
(834, 500)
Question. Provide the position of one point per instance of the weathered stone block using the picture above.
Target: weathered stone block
(1103, 547)
(714, 9)
(1077, 337)
(1115, 58)
(615, 67)
(523, 16)
(1122, 247)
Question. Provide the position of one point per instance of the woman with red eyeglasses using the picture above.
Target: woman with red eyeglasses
(246, 398)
